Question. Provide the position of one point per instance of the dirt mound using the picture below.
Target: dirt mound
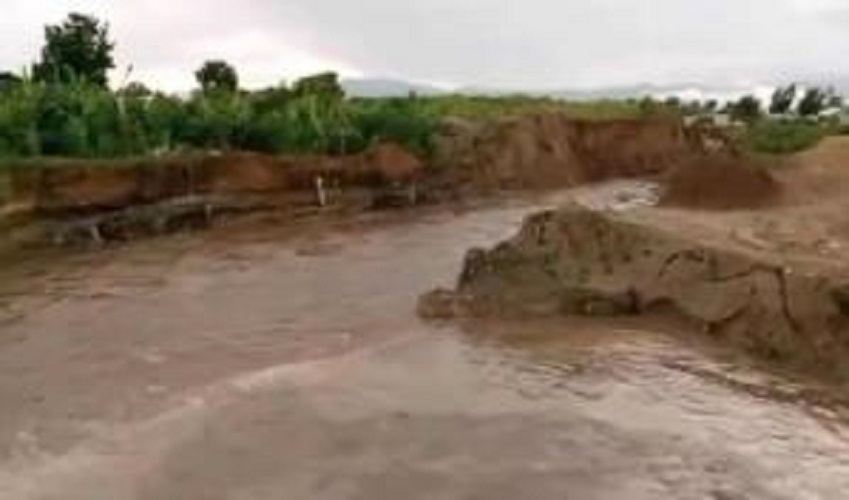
(720, 182)
(818, 174)
(579, 262)
(551, 150)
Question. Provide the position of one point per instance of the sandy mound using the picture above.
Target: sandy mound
(819, 174)
(575, 261)
(552, 150)
(720, 182)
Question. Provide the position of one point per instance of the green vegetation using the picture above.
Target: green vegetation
(63, 107)
(79, 48)
(748, 109)
(783, 99)
(795, 121)
(816, 100)
(217, 76)
(81, 119)
(482, 107)
(782, 137)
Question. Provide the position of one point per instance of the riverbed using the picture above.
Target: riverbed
(268, 361)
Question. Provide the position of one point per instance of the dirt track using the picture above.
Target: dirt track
(258, 365)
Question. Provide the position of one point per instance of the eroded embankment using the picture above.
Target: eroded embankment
(87, 186)
(580, 262)
(551, 150)
(133, 198)
(129, 198)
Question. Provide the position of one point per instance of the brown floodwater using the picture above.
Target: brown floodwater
(271, 361)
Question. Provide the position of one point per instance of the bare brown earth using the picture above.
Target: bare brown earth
(773, 280)
(96, 201)
(80, 186)
(538, 151)
(721, 181)
(552, 150)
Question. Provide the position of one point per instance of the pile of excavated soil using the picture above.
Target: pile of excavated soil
(576, 261)
(720, 182)
(553, 150)
(818, 174)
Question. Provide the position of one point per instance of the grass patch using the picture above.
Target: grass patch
(482, 107)
(776, 137)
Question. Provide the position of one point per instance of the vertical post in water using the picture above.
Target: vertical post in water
(320, 192)
(96, 235)
(413, 193)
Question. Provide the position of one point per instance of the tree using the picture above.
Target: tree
(648, 106)
(20, 107)
(813, 102)
(217, 76)
(673, 102)
(9, 80)
(747, 109)
(77, 49)
(165, 118)
(782, 100)
(135, 90)
(271, 99)
(322, 84)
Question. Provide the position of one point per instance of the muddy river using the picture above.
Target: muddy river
(287, 362)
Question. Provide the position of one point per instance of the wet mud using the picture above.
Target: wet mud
(267, 363)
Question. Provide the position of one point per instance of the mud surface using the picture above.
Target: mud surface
(722, 182)
(254, 364)
(586, 262)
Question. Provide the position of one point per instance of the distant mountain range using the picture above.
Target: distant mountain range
(389, 87)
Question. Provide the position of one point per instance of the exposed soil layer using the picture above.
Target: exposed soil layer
(97, 201)
(83, 187)
(576, 261)
(720, 181)
(767, 272)
(538, 151)
(551, 150)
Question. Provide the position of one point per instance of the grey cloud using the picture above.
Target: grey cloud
(526, 43)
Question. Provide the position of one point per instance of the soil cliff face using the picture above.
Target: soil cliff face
(580, 262)
(722, 181)
(536, 151)
(551, 150)
(90, 186)
(106, 200)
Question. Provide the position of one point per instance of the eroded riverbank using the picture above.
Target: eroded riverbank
(260, 364)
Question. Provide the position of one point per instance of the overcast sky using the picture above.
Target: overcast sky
(495, 43)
